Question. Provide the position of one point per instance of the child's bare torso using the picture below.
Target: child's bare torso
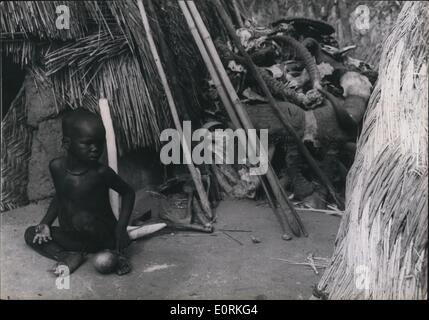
(83, 199)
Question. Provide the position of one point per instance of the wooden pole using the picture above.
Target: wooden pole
(170, 66)
(302, 148)
(287, 208)
(226, 101)
(205, 55)
(112, 155)
(273, 207)
(237, 14)
(195, 176)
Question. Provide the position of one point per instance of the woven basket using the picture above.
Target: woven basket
(15, 154)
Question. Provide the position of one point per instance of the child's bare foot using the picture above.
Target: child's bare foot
(71, 260)
(124, 265)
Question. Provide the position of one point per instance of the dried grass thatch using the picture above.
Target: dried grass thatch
(98, 64)
(381, 248)
(29, 18)
(105, 52)
(15, 153)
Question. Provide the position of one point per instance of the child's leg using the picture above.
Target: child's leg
(48, 249)
(62, 248)
(124, 265)
(100, 238)
(136, 232)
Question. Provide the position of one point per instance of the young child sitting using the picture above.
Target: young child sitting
(81, 202)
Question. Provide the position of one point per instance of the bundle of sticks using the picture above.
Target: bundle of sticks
(289, 220)
(196, 176)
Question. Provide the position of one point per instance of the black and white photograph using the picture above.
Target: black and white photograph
(214, 150)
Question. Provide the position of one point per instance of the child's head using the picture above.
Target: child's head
(83, 135)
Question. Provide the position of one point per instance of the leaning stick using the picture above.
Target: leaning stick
(195, 176)
(237, 14)
(205, 55)
(303, 149)
(294, 212)
(224, 97)
(274, 208)
(285, 205)
(112, 155)
(168, 59)
(236, 103)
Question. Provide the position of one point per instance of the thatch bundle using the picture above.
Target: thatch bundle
(105, 53)
(15, 153)
(381, 248)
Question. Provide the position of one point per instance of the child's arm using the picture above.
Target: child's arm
(127, 193)
(52, 213)
(43, 232)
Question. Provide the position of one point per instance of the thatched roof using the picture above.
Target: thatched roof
(105, 52)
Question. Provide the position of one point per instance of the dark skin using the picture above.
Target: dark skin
(81, 202)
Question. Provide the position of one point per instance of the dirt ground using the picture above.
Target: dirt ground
(179, 265)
